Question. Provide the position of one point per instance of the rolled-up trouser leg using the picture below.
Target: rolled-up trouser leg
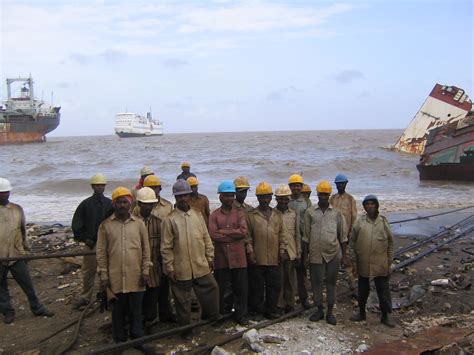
(383, 292)
(207, 292)
(182, 300)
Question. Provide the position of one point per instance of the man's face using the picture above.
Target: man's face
(306, 194)
(341, 187)
(371, 207)
(227, 199)
(182, 202)
(157, 190)
(323, 198)
(186, 169)
(194, 189)
(98, 188)
(122, 205)
(296, 189)
(282, 202)
(264, 200)
(241, 194)
(145, 208)
(4, 196)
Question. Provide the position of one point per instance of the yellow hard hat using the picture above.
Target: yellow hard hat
(146, 170)
(324, 186)
(282, 190)
(152, 180)
(264, 188)
(241, 182)
(306, 188)
(295, 179)
(98, 179)
(185, 164)
(192, 181)
(121, 191)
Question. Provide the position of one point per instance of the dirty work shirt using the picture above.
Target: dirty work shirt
(123, 253)
(267, 237)
(300, 205)
(153, 225)
(13, 241)
(201, 204)
(161, 210)
(228, 230)
(371, 246)
(346, 204)
(324, 232)
(89, 215)
(291, 227)
(186, 246)
(242, 206)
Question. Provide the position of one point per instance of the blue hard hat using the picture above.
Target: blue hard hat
(341, 178)
(226, 186)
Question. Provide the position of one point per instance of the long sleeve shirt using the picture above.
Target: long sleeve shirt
(371, 246)
(228, 230)
(300, 205)
(89, 215)
(201, 204)
(153, 225)
(267, 237)
(324, 232)
(123, 253)
(186, 247)
(291, 227)
(13, 241)
(346, 204)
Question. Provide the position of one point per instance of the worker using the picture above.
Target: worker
(161, 210)
(346, 204)
(85, 224)
(13, 244)
(371, 251)
(147, 200)
(291, 225)
(144, 172)
(188, 258)
(306, 192)
(123, 259)
(198, 201)
(228, 230)
(267, 248)
(186, 171)
(324, 241)
(300, 204)
(242, 187)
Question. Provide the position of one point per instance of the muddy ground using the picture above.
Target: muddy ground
(443, 311)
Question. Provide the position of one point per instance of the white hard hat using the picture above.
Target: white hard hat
(146, 170)
(98, 179)
(5, 185)
(283, 190)
(146, 195)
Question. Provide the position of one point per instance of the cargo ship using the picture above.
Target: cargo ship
(23, 119)
(449, 152)
(445, 104)
(132, 125)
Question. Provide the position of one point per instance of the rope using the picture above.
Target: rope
(433, 215)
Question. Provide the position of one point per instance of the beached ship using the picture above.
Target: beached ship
(24, 119)
(449, 152)
(133, 125)
(444, 105)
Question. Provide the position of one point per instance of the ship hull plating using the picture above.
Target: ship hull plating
(26, 129)
(447, 171)
(135, 135)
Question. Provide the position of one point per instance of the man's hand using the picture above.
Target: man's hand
(211, 265)
(90, 243)
(144, 280)
(284, 256)
(345, 261)
(172, 276)
(104, 284)
(252, 260)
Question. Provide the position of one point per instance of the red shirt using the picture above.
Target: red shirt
(228, 231)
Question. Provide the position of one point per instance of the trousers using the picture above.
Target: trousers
(288, 284)
(89, 270)
(264, 288)
(233, 291)
(383, 292)
(127, 305)
(325, 274)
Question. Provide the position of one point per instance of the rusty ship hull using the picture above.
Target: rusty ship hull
(26, 128)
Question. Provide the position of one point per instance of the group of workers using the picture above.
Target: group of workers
(246, 262)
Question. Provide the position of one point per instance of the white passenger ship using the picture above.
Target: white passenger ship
(132, 125)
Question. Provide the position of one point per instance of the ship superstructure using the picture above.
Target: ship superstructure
(129, 124)
(24, 119)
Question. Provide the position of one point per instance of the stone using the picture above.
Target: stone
(362, 348)
(251, 336)
(219, 351)
(274, 338)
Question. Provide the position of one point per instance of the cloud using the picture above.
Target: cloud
(108, 55)
(282, 93)
(348, 76)
(174, 63)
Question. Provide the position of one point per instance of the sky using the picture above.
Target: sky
(224, 66)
